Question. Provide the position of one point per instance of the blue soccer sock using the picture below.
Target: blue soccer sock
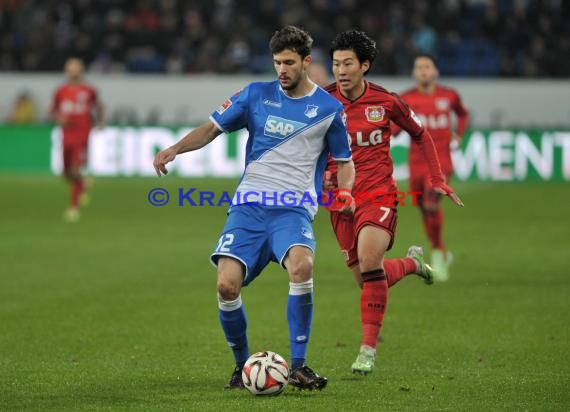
(234, 324)
(300, 317)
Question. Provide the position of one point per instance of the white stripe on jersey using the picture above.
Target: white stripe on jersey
(289, 166)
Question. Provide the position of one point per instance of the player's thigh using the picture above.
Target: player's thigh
(344, 230)
(245, 240)
(66, 154)
(74, 158)
(289, 227)
(380, 223)
(373, 242)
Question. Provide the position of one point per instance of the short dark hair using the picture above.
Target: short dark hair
(357, 41)
(427, 56)
(291, 38)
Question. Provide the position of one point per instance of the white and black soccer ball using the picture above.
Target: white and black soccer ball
(265, 373)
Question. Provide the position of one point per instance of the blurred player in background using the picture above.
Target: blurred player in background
(319, 74)
(366, 236)
(75, 107)
(434, 105)
(293, 125)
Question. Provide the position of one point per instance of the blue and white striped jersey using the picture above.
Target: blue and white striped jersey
(289, 140)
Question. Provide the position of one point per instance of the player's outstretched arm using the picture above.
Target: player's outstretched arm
(194, 140)
(446, 190)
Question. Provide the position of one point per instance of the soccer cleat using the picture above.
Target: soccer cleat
(236, 381)
(440, 262)
(304, 377)
(424, 270)
(364, 362)
(71, 215)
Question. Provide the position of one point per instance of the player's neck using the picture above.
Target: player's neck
(427, 88)
(355, 92)
(304, 88)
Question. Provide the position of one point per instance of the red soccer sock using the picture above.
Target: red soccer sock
(373, 301)
(76, 189)
(396, 269)
(433, 223)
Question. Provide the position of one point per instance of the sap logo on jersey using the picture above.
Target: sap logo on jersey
(280, 128)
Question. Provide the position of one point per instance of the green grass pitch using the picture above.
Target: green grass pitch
(118, 312)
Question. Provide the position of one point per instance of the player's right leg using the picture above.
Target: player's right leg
(372, 244)
(232, 314)
(71, 174)
(433, 223)
(239, 256)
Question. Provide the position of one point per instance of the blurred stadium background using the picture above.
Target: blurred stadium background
(118, 312)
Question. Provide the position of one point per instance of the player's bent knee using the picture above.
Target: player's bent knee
(300, 269)
(228, 290)
(230, 277)
(370, 261)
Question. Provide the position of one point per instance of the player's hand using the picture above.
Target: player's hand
(343, 202)
(161, 159)
(455, 142)
(444, 189)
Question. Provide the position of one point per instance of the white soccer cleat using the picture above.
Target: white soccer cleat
(364, 362)
(440, 262)
(423, 270)
(71, 215)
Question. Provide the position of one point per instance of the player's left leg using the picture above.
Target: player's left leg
(299, 264)
(412, 264)
(293, 244)
(397, 269)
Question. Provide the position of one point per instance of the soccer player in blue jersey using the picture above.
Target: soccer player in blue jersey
(293, 125)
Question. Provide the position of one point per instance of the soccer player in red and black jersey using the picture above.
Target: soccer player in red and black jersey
(365, 236)
(74, 107)
(434, 105)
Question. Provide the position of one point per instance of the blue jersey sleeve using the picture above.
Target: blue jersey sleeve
(337, 137)
(232, 114)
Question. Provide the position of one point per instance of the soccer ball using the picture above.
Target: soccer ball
(265, 373)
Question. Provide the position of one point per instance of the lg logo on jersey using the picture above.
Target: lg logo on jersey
(280, 128)
(374, 138)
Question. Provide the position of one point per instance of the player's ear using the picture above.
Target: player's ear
(365, 66)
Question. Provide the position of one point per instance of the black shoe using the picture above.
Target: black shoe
(236, 382)
(304, 377)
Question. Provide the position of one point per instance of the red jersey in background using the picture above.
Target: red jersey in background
(76, 103)
(434, 110)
